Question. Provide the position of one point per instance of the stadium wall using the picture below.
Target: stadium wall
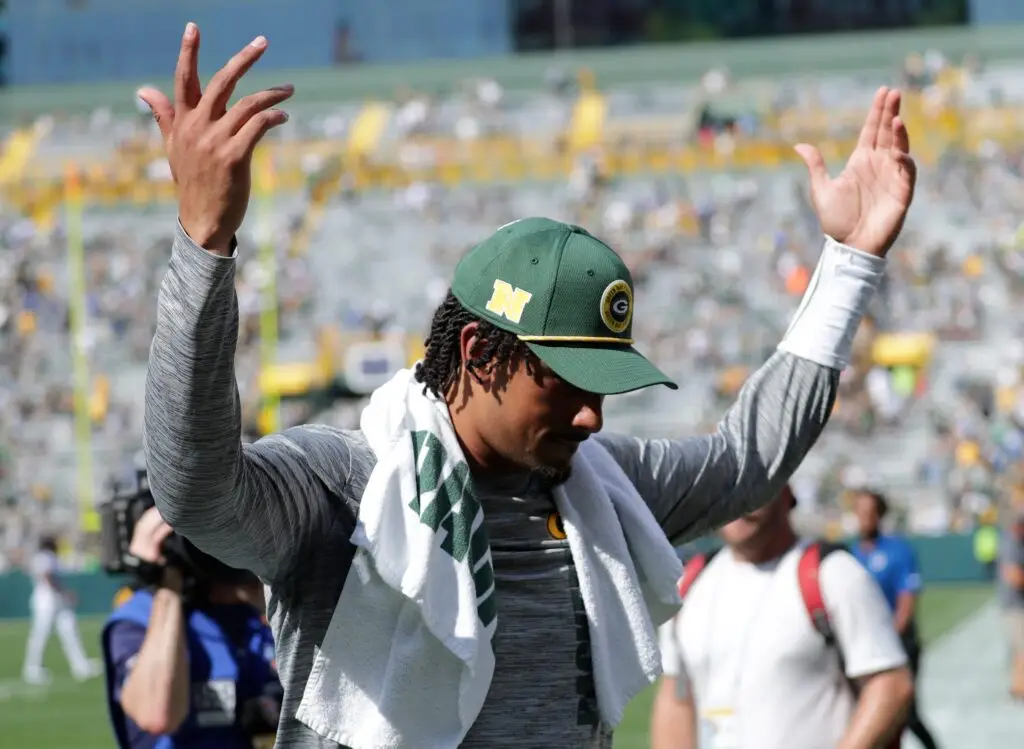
(56, 41)
(994, 12)
(877, 53)
(944, 559)
(85, 41)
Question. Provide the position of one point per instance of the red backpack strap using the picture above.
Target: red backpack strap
(808, 569)
(692, 569)
(810, 590)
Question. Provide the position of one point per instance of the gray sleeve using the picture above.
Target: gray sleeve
(257, 507)
(699, 484)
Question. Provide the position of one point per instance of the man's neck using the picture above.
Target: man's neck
(772, 548)
(484, 461)
(870, 542)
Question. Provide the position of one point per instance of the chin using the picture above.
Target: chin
(551, 460)
(558, 460)
(553, 476)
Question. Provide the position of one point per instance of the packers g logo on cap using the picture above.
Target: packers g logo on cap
(617, 306)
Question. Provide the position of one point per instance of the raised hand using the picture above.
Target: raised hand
(209, 146)
(865, 205)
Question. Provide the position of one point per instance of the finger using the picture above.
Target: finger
(155, 533)
(869, 132)
(143, 545)
(187, 92)
(148, 522)
(160, 106)
(252, 132)
(815, 165)
(248, 107)
(222, 85)
(161, 532)
(909, 169)
(900, 137)
(889, 112)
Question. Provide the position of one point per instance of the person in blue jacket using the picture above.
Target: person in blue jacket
(192, 671)
(891, 560)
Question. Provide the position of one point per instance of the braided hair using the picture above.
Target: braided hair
(442, 363)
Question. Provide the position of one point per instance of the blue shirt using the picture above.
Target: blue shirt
(892, 562)
(212, 719)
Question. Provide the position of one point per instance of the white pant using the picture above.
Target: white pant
(50, 610)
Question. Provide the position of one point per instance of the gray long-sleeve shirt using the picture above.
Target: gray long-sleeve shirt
(285, 508)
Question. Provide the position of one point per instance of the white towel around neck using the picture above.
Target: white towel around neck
(407, 660)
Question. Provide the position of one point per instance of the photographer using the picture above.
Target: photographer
(189, 657)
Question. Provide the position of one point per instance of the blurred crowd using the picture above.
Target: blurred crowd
(931, 408)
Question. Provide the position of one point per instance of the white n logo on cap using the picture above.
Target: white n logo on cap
(508, 301)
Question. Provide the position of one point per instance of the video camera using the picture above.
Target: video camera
(128, 498)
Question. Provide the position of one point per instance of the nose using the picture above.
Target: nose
(589, 417)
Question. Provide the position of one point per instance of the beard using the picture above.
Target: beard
(551, 477)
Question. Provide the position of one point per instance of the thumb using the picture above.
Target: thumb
(161, 108)
(815, 164)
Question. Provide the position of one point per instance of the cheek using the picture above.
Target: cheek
(526, 408)
(738, 530)
(535, 408)
(527, 426)
(510, 424)
(542, 423)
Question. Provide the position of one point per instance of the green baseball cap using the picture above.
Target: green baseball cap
(567, 295)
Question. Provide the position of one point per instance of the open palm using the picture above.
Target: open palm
(866, 204)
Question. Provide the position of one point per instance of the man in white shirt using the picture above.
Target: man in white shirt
(51, 606)
(745, 667)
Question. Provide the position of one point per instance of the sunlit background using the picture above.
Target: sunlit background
(418, 127)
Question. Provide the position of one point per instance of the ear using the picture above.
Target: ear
(469, 341)
(470, 345)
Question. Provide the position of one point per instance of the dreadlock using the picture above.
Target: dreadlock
(442, 362)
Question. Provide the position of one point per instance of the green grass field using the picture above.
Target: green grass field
(68, 715)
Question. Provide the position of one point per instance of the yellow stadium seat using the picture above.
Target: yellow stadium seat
(99, 399)
(25, 323)
(973, 266)
(586, 129)
(903, 349)
(416, 350)
(967, 454)
(17, 152)
(293, 379)
(366, 132)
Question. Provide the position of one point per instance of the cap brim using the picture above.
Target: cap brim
(607, 370)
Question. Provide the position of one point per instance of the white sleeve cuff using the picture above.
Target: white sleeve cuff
(836, 299)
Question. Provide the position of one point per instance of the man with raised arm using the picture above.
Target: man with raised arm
(478, 565)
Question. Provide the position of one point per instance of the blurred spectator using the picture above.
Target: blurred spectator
(892, 562)
(1011, 597)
